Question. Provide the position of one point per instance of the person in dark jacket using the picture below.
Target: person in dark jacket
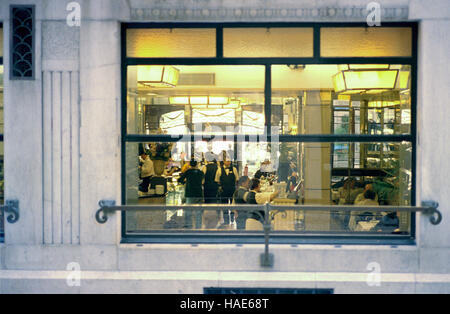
(226, 177)
(193, 178)
(210, 186)
(239, 197)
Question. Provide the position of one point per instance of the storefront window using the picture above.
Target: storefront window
(313, 132)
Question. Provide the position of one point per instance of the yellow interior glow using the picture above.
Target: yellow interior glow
(343, 97)
(368, 66)
(218, 100)
(403, 79)
(199, 106)
(179, 100)
(198, 100)
(355, 91)
(375, 91)
(231, 106)
(171, 43)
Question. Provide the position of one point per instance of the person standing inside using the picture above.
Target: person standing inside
(193, 180)
(210, 186)
(146, 171)
(226, 177)
(239, 197)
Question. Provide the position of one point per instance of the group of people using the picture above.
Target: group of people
(219, 182)
(352, 193)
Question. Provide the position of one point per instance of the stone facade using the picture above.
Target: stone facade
(62, 155)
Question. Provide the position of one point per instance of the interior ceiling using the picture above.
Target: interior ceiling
(237, 79)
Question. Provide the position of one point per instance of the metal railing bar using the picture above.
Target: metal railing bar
(270, 211)
(428, 208)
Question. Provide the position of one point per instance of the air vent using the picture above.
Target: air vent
(194, 79)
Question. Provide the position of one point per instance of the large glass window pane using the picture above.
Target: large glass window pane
(154, 177)
(366, 42)
(340, 174)
(171, 42)
(183, 99)
(267, 42)
(328, 174)
(341, 99)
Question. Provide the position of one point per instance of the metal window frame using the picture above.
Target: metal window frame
(33, 43)
(2, 231)
(268, 62)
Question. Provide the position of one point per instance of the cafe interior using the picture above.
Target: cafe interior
(209, 108)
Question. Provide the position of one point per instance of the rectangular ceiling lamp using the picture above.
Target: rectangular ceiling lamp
(363, 80)
(379, 79)
(158, 76)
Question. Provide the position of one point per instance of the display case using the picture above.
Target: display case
(384, 164)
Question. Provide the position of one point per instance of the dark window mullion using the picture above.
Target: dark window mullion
(268, 99)
(316, 42)
(269, 61)
(219, 42)
(146, 138)
(366, 138)
(124, 125)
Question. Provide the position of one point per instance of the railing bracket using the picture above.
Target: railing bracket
(102, 214)
(432, 211)
(11, 207)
